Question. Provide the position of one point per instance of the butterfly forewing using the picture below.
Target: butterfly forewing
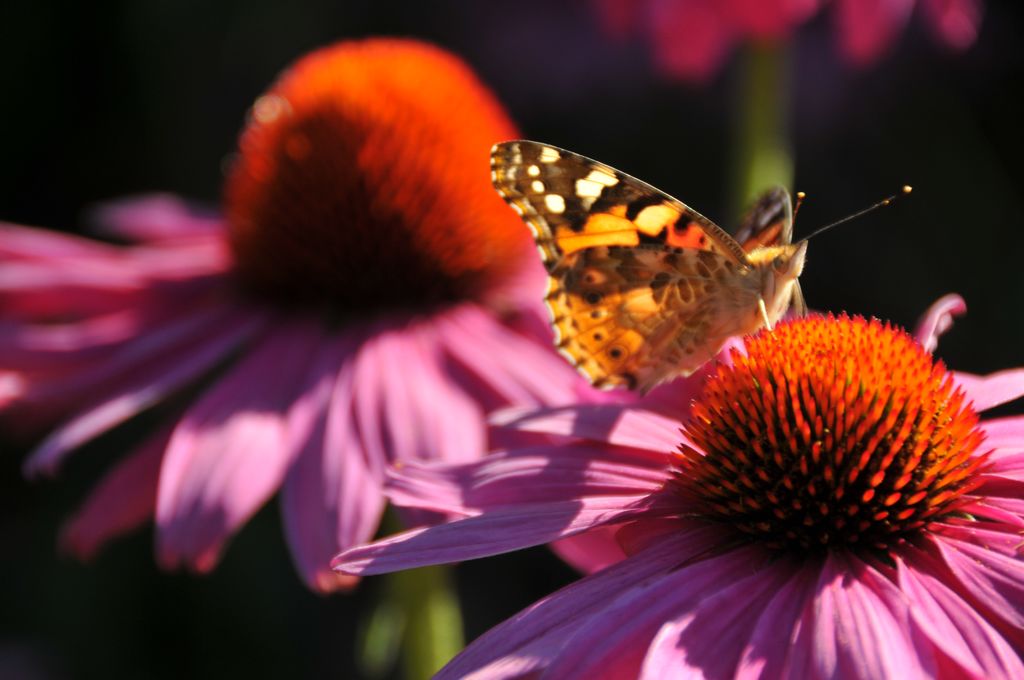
(572, 202)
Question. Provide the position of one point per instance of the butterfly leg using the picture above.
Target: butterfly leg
(764, 313)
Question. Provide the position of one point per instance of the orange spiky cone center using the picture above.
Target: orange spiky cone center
(363, 182)
(831, 432)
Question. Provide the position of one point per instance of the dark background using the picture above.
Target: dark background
(107, 99)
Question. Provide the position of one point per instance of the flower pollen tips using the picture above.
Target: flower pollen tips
(831, 432)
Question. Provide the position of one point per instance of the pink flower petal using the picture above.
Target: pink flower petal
(955, 628)
(996, 536)
(938, 319)
(122, 501)
(157, 365)
(1004, 464)
(710, 639)
(855, 627)
(955, 22)
(332, 497)
(618, 17)
(63, 291)
(591, 551)
(673, 399)
(369, 402)
(614, 643)
(769, 20)
(64, 302)
(531, 639)
(767, 650)
(129, 269)
(53, 348)
(97, 379)
(1005, 511)
(46, 276)
(1004, 433)
(521, 292)
(995, 580)
(541, 474)
(691, 39)
(868, 27)
(988, 391)
(155, 217)
(511, 368)
(498, 531)
(639, 535)
(30, 243)
(229, 453)
(182, 262)
(611, 423)
(426, 416)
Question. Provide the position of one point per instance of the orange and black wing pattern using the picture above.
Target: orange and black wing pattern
(573, 203)
(769, 222)
(641, 287)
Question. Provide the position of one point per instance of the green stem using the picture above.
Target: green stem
(761, 156)
(433, 630)
(417, 617)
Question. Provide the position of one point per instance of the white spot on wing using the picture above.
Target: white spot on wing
(537, 186)
(533, 170)
(586, 188)
(554, 203)
(549, 155)
(603, 178)
(654, 218)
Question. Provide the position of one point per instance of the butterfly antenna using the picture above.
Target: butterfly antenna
(800, 196)
(881, 204)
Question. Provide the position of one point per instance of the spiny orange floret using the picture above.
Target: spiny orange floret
(831, 432)
(363, 182)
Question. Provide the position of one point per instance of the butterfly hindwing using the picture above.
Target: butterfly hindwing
(635, 316)
(573, 203)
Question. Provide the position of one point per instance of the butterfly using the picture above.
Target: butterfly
(641, 287)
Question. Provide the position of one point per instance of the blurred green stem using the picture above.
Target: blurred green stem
(433, 630)
(417, 617)
(761, 154)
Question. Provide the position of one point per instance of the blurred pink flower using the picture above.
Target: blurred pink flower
(368, 299)
(691, 38)
(826, 512)
(867, 28)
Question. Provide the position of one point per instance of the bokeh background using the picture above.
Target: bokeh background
(107, 99)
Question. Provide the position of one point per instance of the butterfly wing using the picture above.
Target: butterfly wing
(639, 315)
(769, 222)
(642, 288)
(572, 203)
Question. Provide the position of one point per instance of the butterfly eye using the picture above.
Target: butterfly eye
(780, 264)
